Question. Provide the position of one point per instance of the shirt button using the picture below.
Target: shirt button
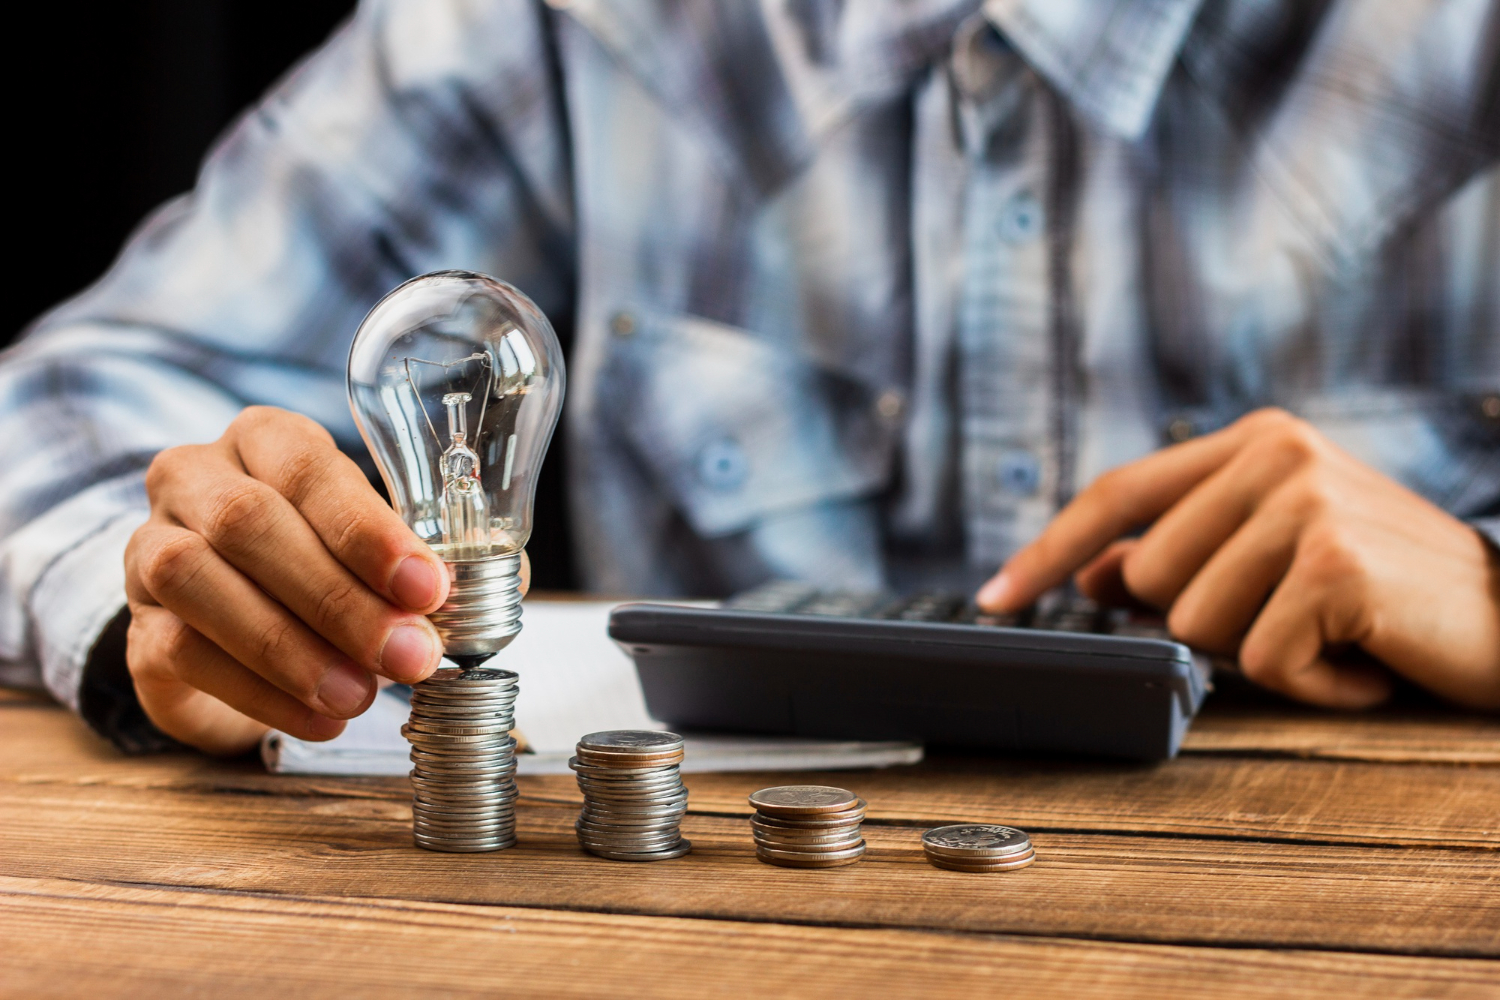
(722, 464)
(1021, 219)
(1179, 430)
(1018, 473)
(622, 324)
(890, 405)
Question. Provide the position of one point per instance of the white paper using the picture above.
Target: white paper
(574, 680)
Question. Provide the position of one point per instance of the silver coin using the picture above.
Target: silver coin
(975, 840)
(639, 783)
(605, 818)
(456, 793)
(631, 741)
(443, 730)
(781, 853)
(422, 739)
(471, 825)
(478, 782)
(678, 796)
(804, 800)
(683, 847)
(787, 859)
(463, 847)
(502, 831)
(1022, 860)
(643, 786)
(450, 676)
(809, 844)
(625, 829)
(636, 810)
(623, 775)
(637, 842)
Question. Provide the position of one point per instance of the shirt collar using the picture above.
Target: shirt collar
(1110, 58)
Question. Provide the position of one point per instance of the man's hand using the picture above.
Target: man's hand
(1269, 543)
(270, 586)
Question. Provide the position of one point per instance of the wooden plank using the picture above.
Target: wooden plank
(1126, 888)
(65, 939)
(1296, 800)
(1275, 799)
(1394, 735)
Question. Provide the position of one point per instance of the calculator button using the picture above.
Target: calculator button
(776, 597)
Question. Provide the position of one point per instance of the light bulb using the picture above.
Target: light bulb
(456, 381)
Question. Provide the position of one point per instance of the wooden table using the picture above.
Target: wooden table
(1286, 853)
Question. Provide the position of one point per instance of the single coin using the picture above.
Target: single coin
(631, 741)
(975, 840)
(1002, 865)
(623, 762)
(820, 843)
(682, 848)
(661, 843)
(804, 800)
(444, 676)
(782, 854)
(623, 774)
(498, 740)
(847, 817)
(640, 817)
(806, 861)
(664, 796)
(427, 727)
(638, 785)
(464, 846)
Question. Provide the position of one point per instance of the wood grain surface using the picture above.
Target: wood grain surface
(1288, 853)
(340, 947)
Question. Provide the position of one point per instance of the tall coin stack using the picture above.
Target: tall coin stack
(807, 826)
(978, 847)
(633, 797)
(464, 760)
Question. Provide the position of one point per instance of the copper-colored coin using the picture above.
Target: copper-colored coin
(789, 801)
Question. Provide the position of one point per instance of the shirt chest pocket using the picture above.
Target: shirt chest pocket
(733, 426)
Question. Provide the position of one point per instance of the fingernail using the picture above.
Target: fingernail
(409, 652)
(344, 689)
(415, 583)
(993, 592)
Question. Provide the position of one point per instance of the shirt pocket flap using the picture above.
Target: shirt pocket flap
(734, 427)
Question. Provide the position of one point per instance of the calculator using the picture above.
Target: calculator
(1065, 676)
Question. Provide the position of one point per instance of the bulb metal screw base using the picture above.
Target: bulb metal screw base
(483, 611)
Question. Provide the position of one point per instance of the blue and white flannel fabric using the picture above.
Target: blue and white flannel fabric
(857, 289)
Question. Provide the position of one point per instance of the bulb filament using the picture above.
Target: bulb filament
(463, 508)
(464, 511)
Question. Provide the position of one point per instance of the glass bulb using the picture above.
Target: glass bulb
(456, 381)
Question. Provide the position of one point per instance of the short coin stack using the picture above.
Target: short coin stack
(978, 847)
(464, 760)
(633, 798)
(807, 826)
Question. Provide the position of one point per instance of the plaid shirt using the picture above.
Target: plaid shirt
(859, 292)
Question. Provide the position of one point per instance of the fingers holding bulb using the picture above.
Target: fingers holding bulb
(298, 459)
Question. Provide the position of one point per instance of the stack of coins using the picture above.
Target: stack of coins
(633, 798)
(807, 826)
(463, 759)
(978, 847)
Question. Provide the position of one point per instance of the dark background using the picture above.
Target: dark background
(113, 106)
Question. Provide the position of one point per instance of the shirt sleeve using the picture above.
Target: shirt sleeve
(421, 137)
